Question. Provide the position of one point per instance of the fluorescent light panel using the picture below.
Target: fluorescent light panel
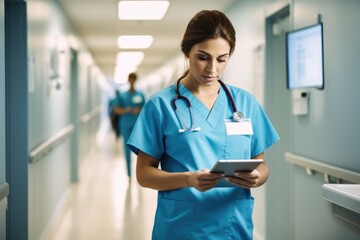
(142, 10)
(135, 41)
(129, 58)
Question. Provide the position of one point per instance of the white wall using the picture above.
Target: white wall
(49, 35)
(319, 135)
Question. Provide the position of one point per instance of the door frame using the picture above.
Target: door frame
(16, 112)
(4, 187)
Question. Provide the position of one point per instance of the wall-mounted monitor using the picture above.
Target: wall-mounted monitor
(305, 57)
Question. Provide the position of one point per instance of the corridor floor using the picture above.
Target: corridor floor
(103, 205)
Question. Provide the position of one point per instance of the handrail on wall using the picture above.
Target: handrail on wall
(45, 147)
(4, 190)
(88, 116)
(328, 170)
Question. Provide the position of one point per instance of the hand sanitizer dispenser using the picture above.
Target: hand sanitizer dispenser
(300, 102)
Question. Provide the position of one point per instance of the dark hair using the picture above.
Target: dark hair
(132, 76)
(208, 24)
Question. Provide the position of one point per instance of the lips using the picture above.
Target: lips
(209, 78)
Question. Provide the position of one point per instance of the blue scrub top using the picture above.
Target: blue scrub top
(220, 213)
(129, 99)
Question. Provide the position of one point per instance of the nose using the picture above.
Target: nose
(211, 67)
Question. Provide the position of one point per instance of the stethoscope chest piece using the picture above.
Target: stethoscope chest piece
(237, 116)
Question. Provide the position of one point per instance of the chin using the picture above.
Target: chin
(210, 81)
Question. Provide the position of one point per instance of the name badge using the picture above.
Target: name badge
(244, 127)
(137, 99)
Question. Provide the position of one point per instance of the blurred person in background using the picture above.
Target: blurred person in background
(128, 106)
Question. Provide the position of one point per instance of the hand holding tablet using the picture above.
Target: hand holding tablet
(230, 166)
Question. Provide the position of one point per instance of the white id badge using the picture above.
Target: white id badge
(136, 99)
(244, 127)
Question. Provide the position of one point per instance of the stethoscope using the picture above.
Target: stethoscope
(236, 116)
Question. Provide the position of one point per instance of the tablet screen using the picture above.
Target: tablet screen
(229, 167)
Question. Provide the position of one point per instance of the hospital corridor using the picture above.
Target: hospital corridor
(179, 119)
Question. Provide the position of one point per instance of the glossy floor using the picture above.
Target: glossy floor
(103, 205)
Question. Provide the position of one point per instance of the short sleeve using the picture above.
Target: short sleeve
(265, 134)
(147, 134)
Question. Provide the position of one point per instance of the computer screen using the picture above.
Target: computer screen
(305, 57)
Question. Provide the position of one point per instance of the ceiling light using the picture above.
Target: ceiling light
(142, 10)
(129, 58)
(134, 41)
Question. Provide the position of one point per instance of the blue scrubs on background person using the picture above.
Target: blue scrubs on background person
(185, 128)
(187, 213)
(128, 106)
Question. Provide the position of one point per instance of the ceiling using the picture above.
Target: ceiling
(97, 24)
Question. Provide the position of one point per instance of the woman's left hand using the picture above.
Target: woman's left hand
(246, 179)
(252, 179)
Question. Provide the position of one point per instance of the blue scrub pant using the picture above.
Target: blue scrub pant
(125, 132)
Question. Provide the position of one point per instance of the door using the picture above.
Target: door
(74, 115)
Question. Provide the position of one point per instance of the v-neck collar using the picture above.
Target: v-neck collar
(212, 116)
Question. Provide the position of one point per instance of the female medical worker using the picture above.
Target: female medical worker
(128, 107)
(185, 129)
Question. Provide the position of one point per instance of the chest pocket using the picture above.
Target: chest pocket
(238, 146)
(136, 99)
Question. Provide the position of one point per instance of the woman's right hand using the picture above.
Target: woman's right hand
(204, 180)
(150, 176)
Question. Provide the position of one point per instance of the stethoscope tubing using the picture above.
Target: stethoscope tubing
(228, 94)
(179, 96)
(237, 116)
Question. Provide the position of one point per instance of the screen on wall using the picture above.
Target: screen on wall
(305, 57)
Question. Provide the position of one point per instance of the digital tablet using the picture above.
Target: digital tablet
(230, 166)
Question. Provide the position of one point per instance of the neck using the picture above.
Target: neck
(207, 94)
(200, 89)
(131, 89)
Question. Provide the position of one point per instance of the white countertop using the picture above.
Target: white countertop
(344, 195)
